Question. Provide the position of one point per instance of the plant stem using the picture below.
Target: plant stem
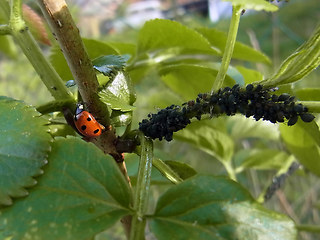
(313, 106)
(27, 43)
(230, 170)
(67, 34)
(142, 189)
(308, 228)
(16, 14)
(4, 29)
(167, 171)
(232, 35)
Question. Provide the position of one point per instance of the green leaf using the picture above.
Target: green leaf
(299, 64)
(166, 171)
(119, 118)
(250, 75)
(207, 207)
(174, 171)
(183, 169)
(162, 34)
(124, 48)
(119, 93)
(204, 136)
(264, 159)
(240, 127)
(82, 193)
(241, 51)
(194, 79)
(162, 99)
(109, 64)
(303, 141)
(308, 94)
(94, 48)
(24, 145)
(257, 5)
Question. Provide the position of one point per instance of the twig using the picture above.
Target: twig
(19, 31)
(231, 39)
(142, 189)
(67, 34)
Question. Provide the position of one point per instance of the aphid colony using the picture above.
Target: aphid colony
(252, 101)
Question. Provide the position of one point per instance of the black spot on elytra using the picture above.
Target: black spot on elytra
(96, 131)
(83, 127)
(89, 119)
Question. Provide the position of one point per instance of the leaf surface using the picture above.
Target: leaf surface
(204, 136)
(24, 146)
(250, 75)
(119, 93)
(264, 159)
(207, 207)
(303, 141)
(82, 193)
(109, 64)
(194, 78)
(241, 51)
(161, 34)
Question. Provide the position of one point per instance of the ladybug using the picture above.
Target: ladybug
(86, 124)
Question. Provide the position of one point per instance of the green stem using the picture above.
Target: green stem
(167, 171)
(308, 228)
(16, 13)
(230, 170)
(142, 189)
(313, 106)
(4, 30)
(27, 43)
(232, 35)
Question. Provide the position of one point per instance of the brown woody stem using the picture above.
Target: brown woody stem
(67, 34)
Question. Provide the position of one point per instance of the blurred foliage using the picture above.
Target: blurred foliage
(19, 80)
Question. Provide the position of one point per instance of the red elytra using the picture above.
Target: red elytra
(86, 124)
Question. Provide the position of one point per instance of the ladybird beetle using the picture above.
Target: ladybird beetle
(86, 124)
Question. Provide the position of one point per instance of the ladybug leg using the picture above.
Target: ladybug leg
(102, 127)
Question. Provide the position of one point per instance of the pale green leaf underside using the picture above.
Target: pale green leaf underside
(24, 145)
(207, 207)
(204, 136)
(303, 141)
(119, 93)
(82, 193)
(263, 159)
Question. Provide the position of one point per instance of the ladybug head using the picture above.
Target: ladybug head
(79, 109)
